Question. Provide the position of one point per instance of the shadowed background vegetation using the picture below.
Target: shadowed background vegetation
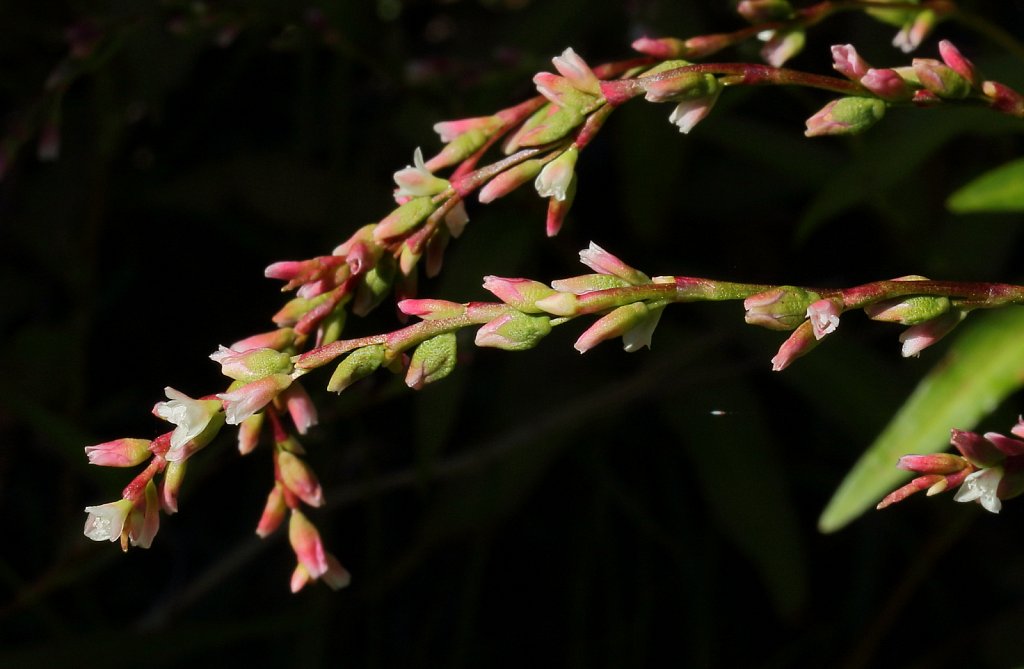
(652, 509)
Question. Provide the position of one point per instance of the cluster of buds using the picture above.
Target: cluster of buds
(926, 81)
(989, 469)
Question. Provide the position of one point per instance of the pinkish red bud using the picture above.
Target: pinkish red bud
(119, 453)
(939, 79)
(662, 48)
(614, 324)
(977, 449)
(278, 340)
(519, 293)
(249, 433)
(300, 407)
(951, 56)
(800, 343)
(1003, 98)
(845, 116)
(306, 543)
(936, 463)
(886, 84)
(431, 309)
(919, 337)
(848, 62)
(299, 478)
(509, 180)
(273, 512)
(762, 11)
(599, 260)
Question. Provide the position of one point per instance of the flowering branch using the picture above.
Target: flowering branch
(541, 140)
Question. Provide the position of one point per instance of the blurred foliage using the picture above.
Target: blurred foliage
(605, 510)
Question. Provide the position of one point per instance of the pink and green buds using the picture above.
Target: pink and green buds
(908, 310)
(556, 177)
(522, 294)
(252, 364)
(661, 48)
(309, 550)
(558, 210)
(170, 486)
(513, 331)
(782, 308)
(886, 84)
(430, 309)
(432, 360)
(941, 80)
(952, 57)
(119, 453)
(845, 116)
(695, 92)
(404, 219)
(358, 364)
(1003, 98)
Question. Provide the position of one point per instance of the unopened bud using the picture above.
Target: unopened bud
(800, 343)
(273, 512)
(513, 331)
(432, 360)
(119, 453)
(782, 308)
(908, 310)
(404, 219)
(936, 463)
(170, 485)
(431, 309)
(845, 116)
(297, 476)
(919, 337)
(358, 364)
(519, 293)
(509, 180)
(940, 79)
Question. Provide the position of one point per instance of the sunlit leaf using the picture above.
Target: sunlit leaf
(1000, 189)
(982, 367)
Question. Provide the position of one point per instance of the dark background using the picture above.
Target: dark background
(536, 507)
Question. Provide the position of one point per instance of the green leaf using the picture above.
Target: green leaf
(1000, 189)
(982, 367)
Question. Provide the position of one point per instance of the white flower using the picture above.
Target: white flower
(189, 416)
(824, 316)
(416, 180)
(106, 522)
(555, 178)
(982, 486)
(639, 335)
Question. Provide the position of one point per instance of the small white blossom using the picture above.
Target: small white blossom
(189, 416)
(106, 522)
(416, 180)
(982, 486)
(555, 178)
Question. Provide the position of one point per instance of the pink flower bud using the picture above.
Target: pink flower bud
(927, 482)
(845, 116)
(559, 209)
(886, 84)
(297, 476)
(451, 130)
(919, 337)
(848, 62)
(509, 180)
(119, 453)
(977, 449)
(300, 407)
(662, 48)
(599, 260)
(273, 512)
(951, 56)
(576, 70)
(306, 543)
(801, 342)
(519, 293)
(144, 520)
(937, 463)
(783, 45)
(404, 219)
(691, 111)
(249, 433)
(513, 331)
(824, 316)
(170, 486)
(247, 399)
(252, 364)
(939, 79)
(431, 309)
(1003, 98)
(278, 340)
(614, 324)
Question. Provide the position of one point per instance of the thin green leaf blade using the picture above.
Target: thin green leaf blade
(1000, 189)
(982, 367)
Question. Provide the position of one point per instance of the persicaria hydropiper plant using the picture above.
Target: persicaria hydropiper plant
(538, 143)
